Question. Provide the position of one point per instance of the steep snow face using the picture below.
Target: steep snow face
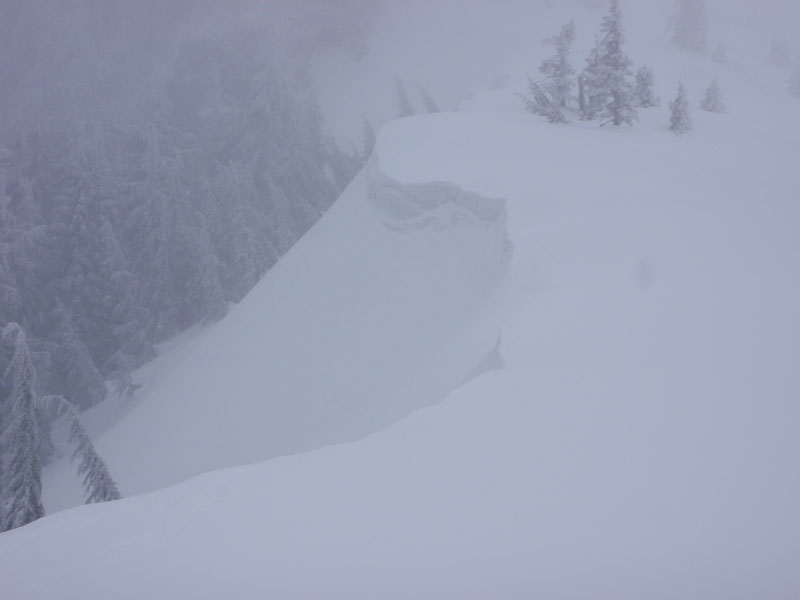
(637, 441)
(380, 309)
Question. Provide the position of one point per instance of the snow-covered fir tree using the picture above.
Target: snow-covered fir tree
(558, 72)
(98, 484)
(679, 120)
(71, 367)
(22, 474)
(689, 25)
(712, 101)
(428, 102)
(543, 104)
(8, 285)
(171, 257)
(229, 204)
(590, 83)
(97, 481)
(607, 78)
(404, 108)
(644, 95)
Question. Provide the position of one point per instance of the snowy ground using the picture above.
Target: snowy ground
(638, 439)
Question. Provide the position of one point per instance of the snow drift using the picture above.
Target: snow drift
(638, 442)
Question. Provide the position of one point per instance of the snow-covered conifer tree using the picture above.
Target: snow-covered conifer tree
(98, 484)
(644, 95)
(97, 481)
(542, 103)
(680, 121)
(22, 480)
(427, 100)
(9, 294)
(557, 70)
(71, 368)
(237, 228)
(404, 108)
(690, 25)
(712, 101)
(607, 77)
(590, 86)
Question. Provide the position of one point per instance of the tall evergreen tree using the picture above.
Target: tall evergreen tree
(97, 481)
(712, 101)
(690, 25)
(9, 295)
(644, 95)
(99, 485)
(70, 368)
(542, 103)
(557, 70)
(238, 229)
(679, 121)
(22, 483)
(24, 246)
(608, 75)
(591, 85)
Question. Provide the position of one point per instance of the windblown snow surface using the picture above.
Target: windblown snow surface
(609, 318)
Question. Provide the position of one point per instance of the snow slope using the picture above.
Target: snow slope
(638, 434)
(640, 441)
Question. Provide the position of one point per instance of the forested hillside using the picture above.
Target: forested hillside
(154, 163)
